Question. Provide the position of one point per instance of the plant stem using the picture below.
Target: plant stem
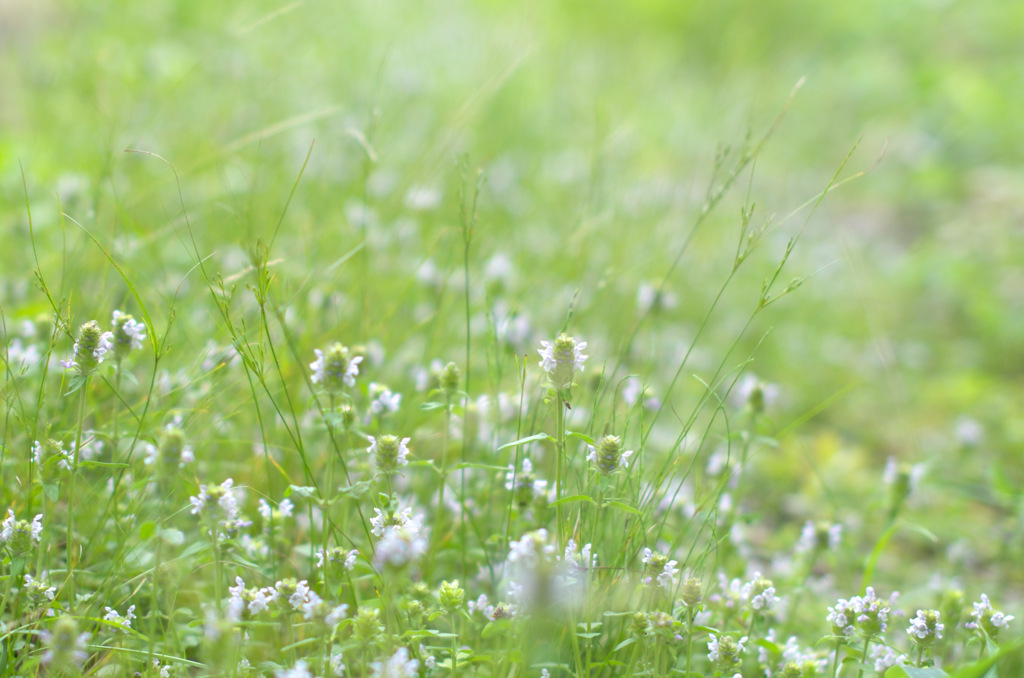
(71, 493)
(560, 474)
(835, 660)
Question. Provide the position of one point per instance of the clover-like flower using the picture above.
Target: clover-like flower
(128, 334)
(92, 345)
(607, 456)
(561, 360)
(336, 369)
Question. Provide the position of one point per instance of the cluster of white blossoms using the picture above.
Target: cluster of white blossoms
(925, 628)
(524, 484)
(218, 505)
(113, 616)
(284, 509)
(172, 451)
(250, 601)
(561, 360)
(338, 555)
(866, 614)
(90, 349)
(987, 619)
(388, 451)
(128, 334)
(20, 536)
(758, 594)
(725, 652)
(382, 401)
(398, 666)
(819, 537)
(401, 538)
(607, 456)
(657, 567)
(335, 369)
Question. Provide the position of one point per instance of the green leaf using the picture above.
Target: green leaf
(624, 507)
(173, 537)
(495, 627)
(626, 643)
(147, 530)
(580, 436)
(52, 491)
(573, 498)
(486, 467)
(304, 492)
(982, 667)
(426, 407)
(101, 464)
(523, 441)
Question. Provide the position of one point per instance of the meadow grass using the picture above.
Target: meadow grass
(336, 416)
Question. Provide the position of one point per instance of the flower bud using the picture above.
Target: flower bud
(389, 452)
(367, 627)
(128, 334)
(607, 455)
(692, 592)
(450, 379)
(451, 595)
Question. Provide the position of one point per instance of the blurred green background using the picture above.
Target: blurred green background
(596, 126)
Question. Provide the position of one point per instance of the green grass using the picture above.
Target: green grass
(455, 183)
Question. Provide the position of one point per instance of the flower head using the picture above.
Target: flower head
(398, 666)
(562, 359)
(336, 369)
(725, 652)
(65, 646)
(525, 485)
(125, 622)
(389, 452)
(171, 452)
(987, 619)
(925, 628)
(128, 334)
(89, 350)
(20, 536)
(607, 456)
(659, 568)
(400, 545)
(382, 401)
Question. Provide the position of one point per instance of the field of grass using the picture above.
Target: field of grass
(789, 235)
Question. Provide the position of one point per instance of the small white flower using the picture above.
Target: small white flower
(126, 621)
(383, 401)
(300, 670)
(398, 666)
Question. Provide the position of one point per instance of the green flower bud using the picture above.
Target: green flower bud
(451, 595)
(450, 379)
(367, 627)
(692, 592)
(89, 350)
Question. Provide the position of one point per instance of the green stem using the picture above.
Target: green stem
(864, 657)
(560, 474)
(216, 567)
(71, 494)
(835, 660)
(115, 439)
(444, 481)
(455, 647)
(690, 613)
